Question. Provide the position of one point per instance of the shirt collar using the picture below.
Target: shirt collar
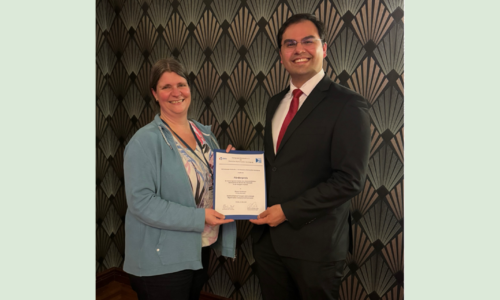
(309, 85)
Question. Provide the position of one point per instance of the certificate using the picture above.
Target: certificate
(239, 184)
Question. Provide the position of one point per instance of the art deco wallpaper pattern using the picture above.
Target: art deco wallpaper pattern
(229, 48)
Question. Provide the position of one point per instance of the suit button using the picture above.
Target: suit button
(274, 169)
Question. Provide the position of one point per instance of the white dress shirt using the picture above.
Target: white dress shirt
(284, 106)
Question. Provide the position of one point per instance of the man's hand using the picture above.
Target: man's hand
(230, 148)
(214, 218)
(272, 215)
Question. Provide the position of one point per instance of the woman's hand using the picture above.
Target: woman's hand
(214, 218)
(229, 148)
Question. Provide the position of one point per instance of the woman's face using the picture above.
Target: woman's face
(173, 95)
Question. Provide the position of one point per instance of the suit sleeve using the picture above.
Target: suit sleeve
(350, 148)
(144, 203)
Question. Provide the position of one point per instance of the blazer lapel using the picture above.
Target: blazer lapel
(268, 134)
(317, 95)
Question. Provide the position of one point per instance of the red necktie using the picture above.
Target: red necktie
(294, 106)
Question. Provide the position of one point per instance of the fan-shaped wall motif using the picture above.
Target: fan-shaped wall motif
(191, 56)
(100, 81)
(397, 293)
(327, 68)
(176, 33)
(119, 80)
(376, 140)
(119, 240)
(256, 106)
(102, 202)
(131, 14)
(262, 8)
(105, 15)
(225, 56)
(112, 221)
(368, 80)
(101, 123)
(351, 289)
(301, 6)
(106, 59)
(103, 241)
(132, 59)
(333, 22)
(398, 143)
(142, 81)
(146, 35)
(243, 29)
(208, 118)
(372, 21)
(380, 224)
(238, 270)
(99, 38)
(394, 254)
(362, 247)
(117, 160)
(160, 51)
(251, 289)
(401, 83)
(279, 17)
(385, 169)
(242, 82)
(213, 263)
(159, 12)
(133, 102)
(120, 201)
(107, 102)
(363, 201)
(261, 55)
(110, 183)
(208, 31)
(120, 123)
(343, 6)
(375, 276)
(277, 79)
(191, 10)
(247, 249)
(113, 257)
(241, 131)
(346, 52)
(224, 106)
(225, 10)
(392, 5)
(221, 283)
(118, 37)
(389, 52)
(396, 200)
(197, 105)
(387, 112)
(243, 229)
(147, 115)
(207, 82)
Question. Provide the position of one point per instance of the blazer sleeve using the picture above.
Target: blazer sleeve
(143, 202)
(350, 148)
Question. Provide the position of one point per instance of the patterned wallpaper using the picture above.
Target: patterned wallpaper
(229, 48)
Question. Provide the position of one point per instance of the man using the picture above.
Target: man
(314, 166)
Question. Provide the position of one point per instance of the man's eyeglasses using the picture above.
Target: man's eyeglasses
(308, 43)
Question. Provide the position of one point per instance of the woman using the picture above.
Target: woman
(168, 182)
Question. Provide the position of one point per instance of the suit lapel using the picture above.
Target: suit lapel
(268, 137)
(317, 95)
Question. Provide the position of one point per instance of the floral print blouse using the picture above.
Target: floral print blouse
(200, 179)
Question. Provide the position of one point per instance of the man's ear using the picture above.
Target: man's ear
(324, 50)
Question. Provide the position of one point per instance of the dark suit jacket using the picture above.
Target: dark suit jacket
(321, 164)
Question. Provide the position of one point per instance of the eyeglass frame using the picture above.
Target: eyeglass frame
(308, 38)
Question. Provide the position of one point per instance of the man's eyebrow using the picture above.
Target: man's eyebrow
(307, 37)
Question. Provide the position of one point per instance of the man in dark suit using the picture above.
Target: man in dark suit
(317, 144)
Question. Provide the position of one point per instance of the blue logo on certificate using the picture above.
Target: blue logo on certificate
(258, 160)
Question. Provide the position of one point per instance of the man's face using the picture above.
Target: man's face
(302, 51)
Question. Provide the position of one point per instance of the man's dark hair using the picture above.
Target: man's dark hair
(299, 18)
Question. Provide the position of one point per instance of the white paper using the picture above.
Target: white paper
(240, 185)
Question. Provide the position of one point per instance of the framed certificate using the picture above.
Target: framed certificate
(239, 184)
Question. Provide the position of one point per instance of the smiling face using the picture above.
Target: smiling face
(304, 60)
(173, 94)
